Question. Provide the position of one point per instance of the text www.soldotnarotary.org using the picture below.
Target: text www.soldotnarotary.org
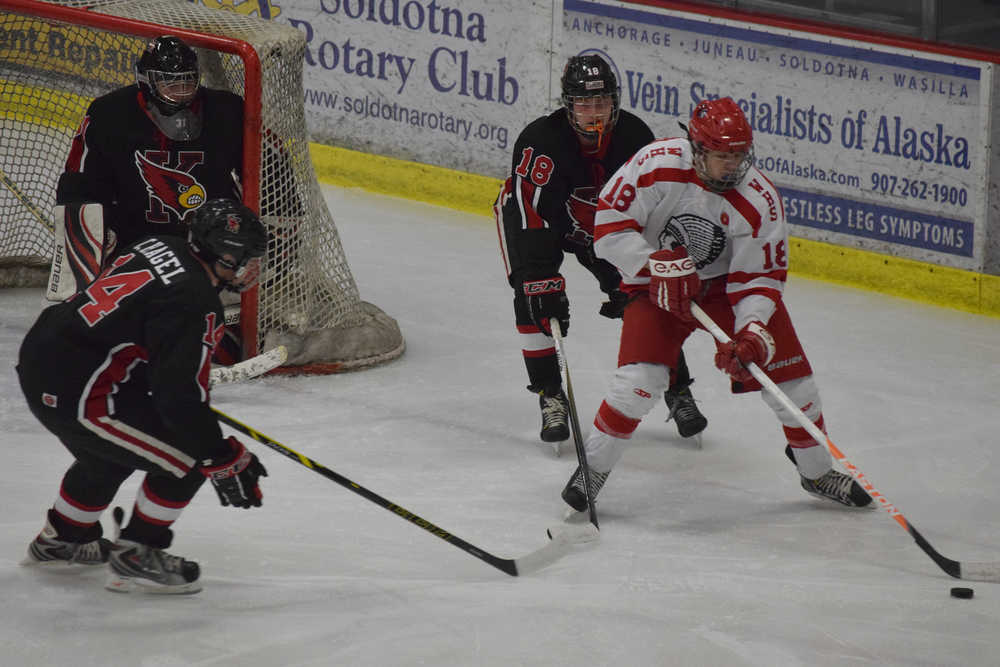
(376, 108)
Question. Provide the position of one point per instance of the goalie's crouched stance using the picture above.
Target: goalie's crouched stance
(119, 373)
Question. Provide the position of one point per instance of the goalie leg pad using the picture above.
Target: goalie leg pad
(80, 245)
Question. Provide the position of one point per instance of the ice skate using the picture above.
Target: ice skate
(145, 569)
(555, 416)
(575, 496)
(49, 551)
(685, 413)
(836, 486)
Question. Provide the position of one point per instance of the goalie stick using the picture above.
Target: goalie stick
(536, 560)
(971, 571)
(251, 368)
(574, 420)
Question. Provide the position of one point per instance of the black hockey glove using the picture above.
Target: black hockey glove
(547, 300)
(236, 479)
(614, 307)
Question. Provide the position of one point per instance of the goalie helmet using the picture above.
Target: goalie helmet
(584, 77)
(720, 126)
(225, 231)
(167, 73)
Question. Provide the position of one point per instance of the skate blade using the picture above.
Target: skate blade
(58, 565)
(554, 448)
(119, 584)
(836, 503)
(572, 517)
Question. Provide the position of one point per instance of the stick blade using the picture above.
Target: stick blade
(574, 533)
(989, 572)
(558, 546)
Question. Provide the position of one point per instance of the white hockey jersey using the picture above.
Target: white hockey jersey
(656, 199)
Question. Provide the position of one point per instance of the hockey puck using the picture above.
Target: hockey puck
(964, 593)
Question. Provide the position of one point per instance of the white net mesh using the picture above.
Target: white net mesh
(50, 70)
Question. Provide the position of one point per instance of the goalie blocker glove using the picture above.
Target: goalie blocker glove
(547, 301)
(236, 479)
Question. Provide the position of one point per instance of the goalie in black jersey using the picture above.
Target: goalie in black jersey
(144, 159)
(120, 374)
(546, 208)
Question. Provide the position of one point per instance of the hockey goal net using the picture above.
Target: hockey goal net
(57, 55)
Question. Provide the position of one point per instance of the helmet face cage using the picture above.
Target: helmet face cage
(587, 78)
(168, 72)
(720, 126)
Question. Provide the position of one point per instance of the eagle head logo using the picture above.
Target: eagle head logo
(177, 190)
(581, 207)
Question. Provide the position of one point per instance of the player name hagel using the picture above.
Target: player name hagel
(161, 257)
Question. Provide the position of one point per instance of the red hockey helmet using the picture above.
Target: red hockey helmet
(720, 126)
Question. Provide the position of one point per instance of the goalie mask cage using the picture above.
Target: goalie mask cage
(57, 55)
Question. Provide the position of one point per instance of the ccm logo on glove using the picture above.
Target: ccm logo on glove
(546, 286)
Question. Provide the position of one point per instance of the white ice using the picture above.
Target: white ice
(706, 557)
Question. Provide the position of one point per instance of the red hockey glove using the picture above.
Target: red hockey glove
(547, 301)
(753, 343)
(236, 479)
(673, 281)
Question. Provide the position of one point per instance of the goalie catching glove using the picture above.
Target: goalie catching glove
(754, 343)
(547, 301)
(236, 480)
(673, 281)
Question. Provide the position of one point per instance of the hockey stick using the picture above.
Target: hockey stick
(574, 420)
(981, 571)
(40, 216)
(251, 368)
(557, 547)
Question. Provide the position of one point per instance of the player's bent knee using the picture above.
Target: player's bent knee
(636, 388)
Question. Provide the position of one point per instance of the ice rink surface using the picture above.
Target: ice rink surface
(707, 557)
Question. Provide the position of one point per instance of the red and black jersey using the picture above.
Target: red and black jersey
(547, 204)
(146, 327)
(147, 182)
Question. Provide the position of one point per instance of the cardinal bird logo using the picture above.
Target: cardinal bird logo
(177, 190)
(581, 207)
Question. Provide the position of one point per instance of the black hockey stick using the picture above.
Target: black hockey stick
(983, 571)
(537, 559)
(574, 420)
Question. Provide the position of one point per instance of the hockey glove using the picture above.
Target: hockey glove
(753, 343)
(547, 301)
(614, 307)
(236, 479)
(673, 281)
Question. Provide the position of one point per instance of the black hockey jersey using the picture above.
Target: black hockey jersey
(147, 182)
(547, 204)
(143, 331)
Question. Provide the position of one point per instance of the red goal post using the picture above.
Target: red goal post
(57, 55)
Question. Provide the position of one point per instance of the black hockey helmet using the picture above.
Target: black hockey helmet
(589, 76)
(167, 73)
(223, 227)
